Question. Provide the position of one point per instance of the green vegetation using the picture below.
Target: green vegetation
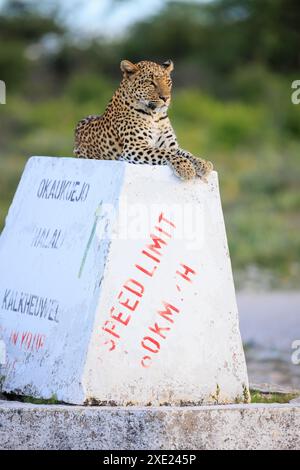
(234, 64)
(40, 401)
(36, 401)
(258, 397)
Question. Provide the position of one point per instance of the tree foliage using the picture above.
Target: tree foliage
(208, 42)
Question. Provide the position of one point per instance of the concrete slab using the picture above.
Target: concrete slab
(26, 426)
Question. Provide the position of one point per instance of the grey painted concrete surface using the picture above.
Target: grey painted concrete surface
(269, 323)
(26, 426)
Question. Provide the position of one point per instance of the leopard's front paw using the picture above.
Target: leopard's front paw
(203, 168)
(183, 168)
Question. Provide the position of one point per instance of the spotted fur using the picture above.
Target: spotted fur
(135, 126)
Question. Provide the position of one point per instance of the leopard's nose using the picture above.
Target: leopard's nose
(164, 98)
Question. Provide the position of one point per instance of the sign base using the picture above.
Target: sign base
(116, 287)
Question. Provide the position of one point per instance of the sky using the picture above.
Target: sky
(107, 17)
(112, 18)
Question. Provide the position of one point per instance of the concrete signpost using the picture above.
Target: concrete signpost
(116, 287)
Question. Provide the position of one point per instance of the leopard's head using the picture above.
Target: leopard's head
(147, 84)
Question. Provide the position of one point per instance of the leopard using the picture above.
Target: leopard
(135, 126)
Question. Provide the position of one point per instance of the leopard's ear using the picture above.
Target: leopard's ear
(128, 68)
(168, 65)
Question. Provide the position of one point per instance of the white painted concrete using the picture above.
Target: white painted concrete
(138, 282)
